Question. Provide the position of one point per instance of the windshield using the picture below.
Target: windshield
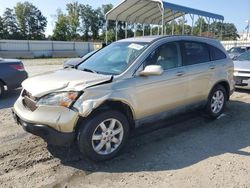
(113, 59)
(244, 57)
(88, 54)
(237, 50)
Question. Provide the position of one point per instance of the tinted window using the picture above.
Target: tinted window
(195, 52)
(216, 54)
(166, 55)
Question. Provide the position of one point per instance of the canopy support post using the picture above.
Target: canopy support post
(116, 30)
(143, 29)
(183, 24)
(200, 25)
(126, 30)
(208, 27)
(221, 30)
(212, 27)
(162, 22)
(192, 29)
(173, 24)
(151, 30)
(135, 29)
(106, 32)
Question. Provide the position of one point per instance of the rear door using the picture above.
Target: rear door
(196, 59)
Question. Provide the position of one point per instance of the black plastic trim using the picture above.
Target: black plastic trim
(50, 135)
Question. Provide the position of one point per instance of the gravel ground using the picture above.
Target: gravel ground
(189, 152)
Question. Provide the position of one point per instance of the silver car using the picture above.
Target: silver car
(121, 87)
(235, 52)
(242, 69)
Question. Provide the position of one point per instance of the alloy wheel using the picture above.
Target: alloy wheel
(107, 136)
(217, 101)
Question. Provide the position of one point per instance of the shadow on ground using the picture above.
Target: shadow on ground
(243, 90)
(174, 144)
(9, 98)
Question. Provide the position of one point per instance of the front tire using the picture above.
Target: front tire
(104, 135)
(216, 102)
(1, 89)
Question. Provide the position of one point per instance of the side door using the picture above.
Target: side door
(199, 70)
(161, 93)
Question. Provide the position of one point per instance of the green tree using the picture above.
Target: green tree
(111, 25)
(86, 13)
(62, 28)
(10, 27)
(97, 23)
(200, 26)
(30, 20)
(228, 31)
(73, 10)
(2, 29)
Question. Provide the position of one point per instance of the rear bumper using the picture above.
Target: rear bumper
(50, 135)
(16, 80)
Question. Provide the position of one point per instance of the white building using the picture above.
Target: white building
(243, 36)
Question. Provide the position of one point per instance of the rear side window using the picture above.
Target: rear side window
(216, 54)
(195, 53)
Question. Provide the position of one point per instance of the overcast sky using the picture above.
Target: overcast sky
(236, 12)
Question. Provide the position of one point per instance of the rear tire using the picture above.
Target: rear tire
(216, 102)
(103, 135)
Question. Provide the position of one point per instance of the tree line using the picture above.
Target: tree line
(82, 22)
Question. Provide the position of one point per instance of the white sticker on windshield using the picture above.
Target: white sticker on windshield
(135, 46)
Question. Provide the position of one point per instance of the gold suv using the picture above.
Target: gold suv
(122, 86)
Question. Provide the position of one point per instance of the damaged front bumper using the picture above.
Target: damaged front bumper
(50, 135)
(54, 124)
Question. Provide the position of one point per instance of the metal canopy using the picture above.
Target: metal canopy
(150, 12)
(155, 12)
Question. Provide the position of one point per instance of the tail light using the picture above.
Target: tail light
(18, 67)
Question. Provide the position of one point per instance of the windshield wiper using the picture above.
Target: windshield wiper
(89, 70)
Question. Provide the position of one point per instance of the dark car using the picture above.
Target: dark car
(73, 63)
(12, 74)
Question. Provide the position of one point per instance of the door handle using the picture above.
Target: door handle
(212, 66)
(181, 73)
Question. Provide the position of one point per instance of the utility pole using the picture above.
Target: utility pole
(248, 28)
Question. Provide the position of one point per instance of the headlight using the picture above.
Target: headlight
(64, 99)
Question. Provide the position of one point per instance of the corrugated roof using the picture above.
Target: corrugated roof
(149, 12)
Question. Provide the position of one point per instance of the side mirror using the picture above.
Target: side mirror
(151, 70)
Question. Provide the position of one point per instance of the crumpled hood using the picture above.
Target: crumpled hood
(65, 79)
(242, 65)
(73, 62)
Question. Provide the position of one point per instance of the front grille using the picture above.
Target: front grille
(29, 101)
(28, 94)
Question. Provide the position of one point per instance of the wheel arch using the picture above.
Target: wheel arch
(2, 82)
(224, 84)
(120, 106)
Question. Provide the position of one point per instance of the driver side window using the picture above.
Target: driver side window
(166, 55)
